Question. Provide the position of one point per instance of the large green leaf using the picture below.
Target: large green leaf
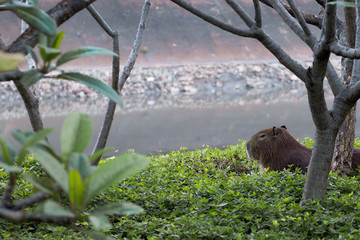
(100, 222)
(82, 51)
(33, 139)
(36, 18)
(31, 77)
(122, 208)
(93, 83)
(48, 53)
(113, 171)
(57, 40)
(39, 183)
(32, 53)
(100, 153)
(76, 190)
(10, 168)
(52, 166)
(75, 134)
(7, 153)
(81, 163)
(10, 61)
(53, 208)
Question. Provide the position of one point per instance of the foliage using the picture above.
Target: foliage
(49, 49)
(70, 174)
(189, 195)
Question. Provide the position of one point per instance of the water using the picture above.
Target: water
(152, 124)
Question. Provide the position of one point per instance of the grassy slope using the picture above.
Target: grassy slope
(217, 194)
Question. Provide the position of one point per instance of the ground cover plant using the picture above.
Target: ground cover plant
(212, 193)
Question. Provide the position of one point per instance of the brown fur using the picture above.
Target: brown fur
(276, 149)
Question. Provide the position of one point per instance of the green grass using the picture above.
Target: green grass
(215, 193)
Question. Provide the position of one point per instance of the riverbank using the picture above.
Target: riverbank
(172, 86)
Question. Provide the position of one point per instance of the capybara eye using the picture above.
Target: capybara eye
(262, 136)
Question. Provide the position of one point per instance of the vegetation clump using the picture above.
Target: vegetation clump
(213, 193)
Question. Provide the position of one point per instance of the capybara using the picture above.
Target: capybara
(276, 149)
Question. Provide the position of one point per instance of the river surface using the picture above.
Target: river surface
(155, 130)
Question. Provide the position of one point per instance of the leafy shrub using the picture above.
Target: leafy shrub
(193, 195)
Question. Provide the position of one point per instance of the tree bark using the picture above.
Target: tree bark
(344, 145)
(319, 168)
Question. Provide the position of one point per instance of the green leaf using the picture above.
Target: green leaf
(57, 40)
(53, 208)
(82, 51)
(76, 190)
(100, 222)
(113, 171)
(48, 53)
(31, 77)
(75, 134)
(93, 83)
(39, 183)
(124, 208)
(32, 140)
(10, 168)
(52, 166)
(10, 61)
(33, 2)
(81, 163)
(36, 18)
(100, 153)
(7, 153)
(344, 4)
(32, 53)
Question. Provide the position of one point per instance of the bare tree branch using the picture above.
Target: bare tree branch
(300, 18)
(294, 25)
(22, 216)
(9, 190)
(343, 51)
(134, 51)
(109, 115)
(241, 12)
(257, 13)
(213, 20)
(356, 69)
(10, 76)
(309, 18)
(101, 21)
(117, 86)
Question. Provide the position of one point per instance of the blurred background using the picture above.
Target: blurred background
(193, 84)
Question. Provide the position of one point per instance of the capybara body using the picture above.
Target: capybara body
(276, 149)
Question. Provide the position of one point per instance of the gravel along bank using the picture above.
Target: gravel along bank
(180, 86)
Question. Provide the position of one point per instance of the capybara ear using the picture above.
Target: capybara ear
(283, 126)
(276, 132)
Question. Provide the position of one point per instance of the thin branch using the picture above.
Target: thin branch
(299, 17)
(356, 67)
(294, 25)
(134, 51)
(282, 56)
(9, 190)
(241, 12)
(309, 18)
(10, 76)
(22, 216)
(117, 86)
(94, 13)
(215, 21)
(257, 13)
(339, 50)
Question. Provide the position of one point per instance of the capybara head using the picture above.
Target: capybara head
(275, 148)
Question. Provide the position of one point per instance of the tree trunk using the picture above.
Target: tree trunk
(344, 145)
(319, 168)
